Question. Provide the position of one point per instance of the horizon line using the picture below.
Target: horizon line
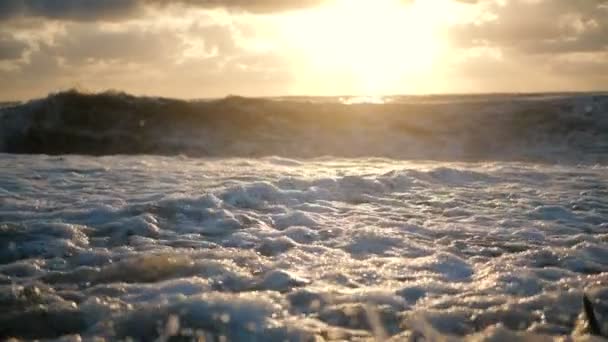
(296, 96)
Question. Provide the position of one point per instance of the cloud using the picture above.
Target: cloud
(198, 58)
(79, 10)
(90, 44)
(539, 26)
(171, 50)
(11, 48)
(537, 45)
(97, 10)
(255, 6)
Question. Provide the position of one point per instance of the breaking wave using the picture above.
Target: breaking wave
(553, 128)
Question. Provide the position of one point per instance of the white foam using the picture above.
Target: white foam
(274, 249)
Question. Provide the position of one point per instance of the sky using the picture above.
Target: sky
(213, 48)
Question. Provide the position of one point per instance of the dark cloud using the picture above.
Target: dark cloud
(11, 48)
(91, 10)
(79, 10)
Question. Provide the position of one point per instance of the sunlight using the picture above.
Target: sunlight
(377, 44)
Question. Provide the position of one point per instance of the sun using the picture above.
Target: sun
(366, 46)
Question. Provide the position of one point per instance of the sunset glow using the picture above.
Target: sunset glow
(303, 170)
(192, 49)
(375, 44)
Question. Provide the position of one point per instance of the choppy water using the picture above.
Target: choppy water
(274, 249)
(557, 128)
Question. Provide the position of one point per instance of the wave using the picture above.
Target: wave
(541, 127)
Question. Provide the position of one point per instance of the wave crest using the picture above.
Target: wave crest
(482, 127)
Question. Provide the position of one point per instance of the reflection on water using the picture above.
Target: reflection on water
(363, 99)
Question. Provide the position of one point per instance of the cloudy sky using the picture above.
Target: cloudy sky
(211, 48)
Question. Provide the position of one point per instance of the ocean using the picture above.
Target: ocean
(480, 217)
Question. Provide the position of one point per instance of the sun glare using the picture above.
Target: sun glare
(374, 46)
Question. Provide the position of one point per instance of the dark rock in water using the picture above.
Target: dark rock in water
(593, 324)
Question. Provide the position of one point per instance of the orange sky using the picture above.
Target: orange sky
(211, 48)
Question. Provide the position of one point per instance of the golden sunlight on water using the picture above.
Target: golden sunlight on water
(363, 99)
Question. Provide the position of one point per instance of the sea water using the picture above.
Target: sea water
(301, 248)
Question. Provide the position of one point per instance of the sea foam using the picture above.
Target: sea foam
(274, 249)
